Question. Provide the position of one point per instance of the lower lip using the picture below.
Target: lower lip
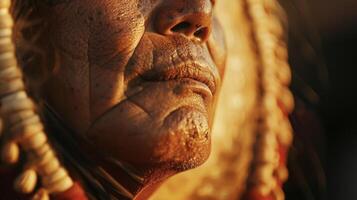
(196, 87)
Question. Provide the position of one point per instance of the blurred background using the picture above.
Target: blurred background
(322, 47)
(322, 38)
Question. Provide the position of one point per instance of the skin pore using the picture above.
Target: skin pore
(137, 79)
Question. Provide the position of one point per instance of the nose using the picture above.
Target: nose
(191, 18)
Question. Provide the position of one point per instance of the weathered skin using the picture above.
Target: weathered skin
(138, 79)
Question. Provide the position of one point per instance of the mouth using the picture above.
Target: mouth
(189, 71)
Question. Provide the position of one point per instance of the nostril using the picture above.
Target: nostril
(195, 31)
(181, 27)
(201, 33)
(183, 18)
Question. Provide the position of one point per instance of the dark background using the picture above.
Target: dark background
(323, 54)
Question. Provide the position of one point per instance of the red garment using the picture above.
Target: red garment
(251, 195)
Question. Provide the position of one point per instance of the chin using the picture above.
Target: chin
(184, 141)
(178, 141)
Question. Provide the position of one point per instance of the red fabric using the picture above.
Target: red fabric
(7, 192)
(252, 195)
(282, 155)
(74, 193)
(282, 107)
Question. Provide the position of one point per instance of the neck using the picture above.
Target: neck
(102, 177)
(141, 182)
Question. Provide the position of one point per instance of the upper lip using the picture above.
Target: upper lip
(189, 69)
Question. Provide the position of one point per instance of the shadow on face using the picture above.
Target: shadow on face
(138, 80)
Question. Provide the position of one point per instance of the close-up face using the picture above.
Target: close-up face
(151, 99)
(137, 79)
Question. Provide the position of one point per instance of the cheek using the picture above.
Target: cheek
(94, 41)
(97, 30)
(114, 36)
(217, 46)
(114, 33)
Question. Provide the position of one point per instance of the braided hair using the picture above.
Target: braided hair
(273, 132)
(23, 130)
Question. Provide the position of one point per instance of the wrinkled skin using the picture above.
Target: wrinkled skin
(138, 79)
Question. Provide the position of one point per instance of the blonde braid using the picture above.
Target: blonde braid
(23, 125)
(274, 132)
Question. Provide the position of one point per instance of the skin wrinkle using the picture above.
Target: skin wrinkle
(191, 66)
(131, 61)
(142, 108)
(128, 109)
(124, 55)
(164, 116)
(128, 97)
(178, 55)
(188, 53)
(193, 56)
(125, 97)
(172, 111)
(153, 61)
(113, 108)
(127, 51)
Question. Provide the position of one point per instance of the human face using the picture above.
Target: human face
(138, 79)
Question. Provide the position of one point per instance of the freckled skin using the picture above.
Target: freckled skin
(134, 81)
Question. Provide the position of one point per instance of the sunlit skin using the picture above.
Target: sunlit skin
(138, 79)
